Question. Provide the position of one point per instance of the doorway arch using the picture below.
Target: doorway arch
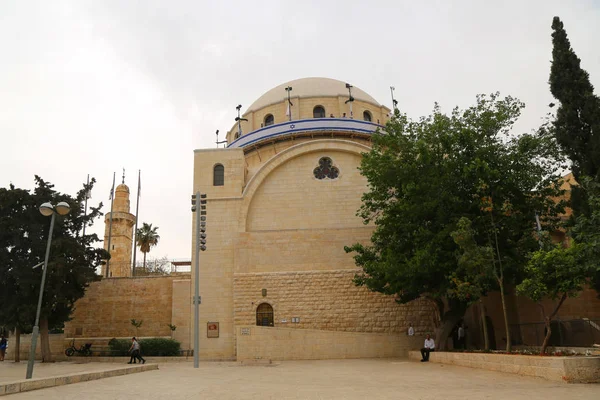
(264, 315)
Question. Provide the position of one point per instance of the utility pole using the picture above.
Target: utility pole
(199, 207)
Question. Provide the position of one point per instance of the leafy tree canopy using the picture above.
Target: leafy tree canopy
(425, 175)
(23, 237)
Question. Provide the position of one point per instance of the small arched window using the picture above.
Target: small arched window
(367, 116)
(218, 175)
(269, 119)
(264, 315)
(318, 112)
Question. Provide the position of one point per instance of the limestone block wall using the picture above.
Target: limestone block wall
(109, 305)
(297, 250)
(257, 158)
(57, 347)
(180, 314)
(257, 342)
(326, 300)
(292, 198)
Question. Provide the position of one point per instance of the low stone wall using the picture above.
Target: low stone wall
(565, 369)
(257, 342)
(27, 385)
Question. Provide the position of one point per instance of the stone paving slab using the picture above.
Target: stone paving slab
(58, 374)
(312, 380)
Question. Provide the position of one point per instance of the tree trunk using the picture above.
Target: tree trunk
(17, 344)
(548, 334)
(503, 298)
(548, 320)
(501, 284)
(486, 339)
(45, 341)
(444, 331)
(144, 261)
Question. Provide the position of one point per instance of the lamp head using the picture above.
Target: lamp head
(63, 208)
(348, 86)
(46, 209)
(238, 107)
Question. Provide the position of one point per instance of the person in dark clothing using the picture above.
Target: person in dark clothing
(135, 352)
(3, 346)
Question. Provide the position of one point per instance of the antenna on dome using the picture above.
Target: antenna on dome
(350, 98)
(288, 110)
(222, 141)
(239, 120)
(123, 181)
(394, 102)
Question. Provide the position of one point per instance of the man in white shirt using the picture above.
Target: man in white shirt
(411, 330)
(461, 336)
(428, 347)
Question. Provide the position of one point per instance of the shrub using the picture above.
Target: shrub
(160, 347)
(150, 347)
(119, 347)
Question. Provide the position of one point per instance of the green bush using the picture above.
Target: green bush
(149, 347)
(119, 347)
(160, 347)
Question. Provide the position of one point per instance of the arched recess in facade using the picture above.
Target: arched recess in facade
(288, 154)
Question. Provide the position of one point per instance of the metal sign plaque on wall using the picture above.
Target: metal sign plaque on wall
(245, 331)
(212, 329)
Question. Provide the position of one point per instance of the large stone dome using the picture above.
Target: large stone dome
(310, 87)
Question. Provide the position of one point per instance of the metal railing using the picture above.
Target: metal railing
(581, 332)
(306, 125)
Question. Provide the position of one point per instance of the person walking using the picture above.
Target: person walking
(3, 346)
(135, 351)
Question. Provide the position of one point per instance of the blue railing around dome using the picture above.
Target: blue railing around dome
(305, 125)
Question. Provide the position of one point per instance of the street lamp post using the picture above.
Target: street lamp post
(46, 209)
(199, 207)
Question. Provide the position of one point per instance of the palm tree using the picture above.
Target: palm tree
(147, 237)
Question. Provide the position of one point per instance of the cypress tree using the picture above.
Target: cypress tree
(577, 123)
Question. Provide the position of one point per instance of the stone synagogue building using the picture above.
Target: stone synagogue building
(275, 281)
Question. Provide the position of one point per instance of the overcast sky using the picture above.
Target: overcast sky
(90, 87)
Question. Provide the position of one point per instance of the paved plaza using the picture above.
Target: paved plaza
(331, 379)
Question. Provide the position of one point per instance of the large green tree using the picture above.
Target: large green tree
(425, 175)
(577, 122)
(23, 238)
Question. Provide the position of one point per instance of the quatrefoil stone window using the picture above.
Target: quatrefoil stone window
(326, 170)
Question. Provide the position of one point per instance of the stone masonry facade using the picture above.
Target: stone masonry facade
(108, 306)
(326, 300)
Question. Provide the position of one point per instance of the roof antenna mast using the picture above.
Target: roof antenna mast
(350, 98)
(239, 120)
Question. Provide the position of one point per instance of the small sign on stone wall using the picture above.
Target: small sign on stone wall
(245, 331)
(212, 329)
